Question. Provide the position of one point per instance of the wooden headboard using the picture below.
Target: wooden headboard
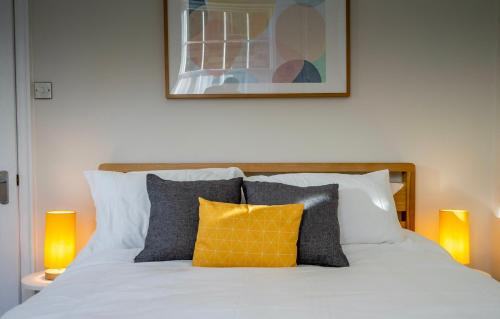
(402, 172)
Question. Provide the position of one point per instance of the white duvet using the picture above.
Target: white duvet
(412, 279)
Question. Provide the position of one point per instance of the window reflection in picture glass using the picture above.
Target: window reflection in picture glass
(240, 47)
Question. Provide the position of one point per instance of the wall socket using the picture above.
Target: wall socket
(43, 90)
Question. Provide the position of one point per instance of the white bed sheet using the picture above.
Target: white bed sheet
(411, 279)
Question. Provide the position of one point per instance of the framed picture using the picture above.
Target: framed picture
(256, 48)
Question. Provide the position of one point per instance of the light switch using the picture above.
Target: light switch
(43, 90)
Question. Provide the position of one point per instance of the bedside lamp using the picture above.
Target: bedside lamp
(454, 234)
(60, 242)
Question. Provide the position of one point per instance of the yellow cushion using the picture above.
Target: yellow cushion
(232, 235)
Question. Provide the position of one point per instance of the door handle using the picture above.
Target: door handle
(4, 187)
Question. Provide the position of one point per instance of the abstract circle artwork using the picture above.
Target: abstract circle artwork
(297, 71)
(300, 33)
(258, 46)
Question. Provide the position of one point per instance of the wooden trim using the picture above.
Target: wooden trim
(347, 93)
(265, 167)
(165, 46)
(348, 48)
(404, 199)
(411, 199)
(255, 96)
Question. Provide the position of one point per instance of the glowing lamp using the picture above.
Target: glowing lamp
(60, 242)
(454, 234)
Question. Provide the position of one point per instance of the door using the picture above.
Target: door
(9, 215)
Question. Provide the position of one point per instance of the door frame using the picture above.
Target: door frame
(24, 135)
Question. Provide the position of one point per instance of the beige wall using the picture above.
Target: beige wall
(496, 221)
(496, 140)
(423, 91)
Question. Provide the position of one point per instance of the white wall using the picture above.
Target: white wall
(423, 91)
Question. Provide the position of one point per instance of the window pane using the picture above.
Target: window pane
(214, 55)
(194, 57)
(214, 28)
(236, 26)
(195, 26)
(259, 55)
(236, 55)
(259, 22)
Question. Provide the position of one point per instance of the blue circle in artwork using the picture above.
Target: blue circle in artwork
(309, 3)
(308, 74)
(195, 4)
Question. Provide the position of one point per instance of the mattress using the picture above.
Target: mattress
(411, 279)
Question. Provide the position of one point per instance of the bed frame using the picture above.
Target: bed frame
(400, 172)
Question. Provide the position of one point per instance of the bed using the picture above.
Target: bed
(414, 278)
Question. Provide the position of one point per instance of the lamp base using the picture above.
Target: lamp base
(51, 274)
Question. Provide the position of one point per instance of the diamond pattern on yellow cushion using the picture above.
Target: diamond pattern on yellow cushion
(231, 235)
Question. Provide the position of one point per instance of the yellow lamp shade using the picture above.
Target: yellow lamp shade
(60, 239)
(454, 234)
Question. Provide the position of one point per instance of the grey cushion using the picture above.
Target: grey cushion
(319, 238)
(173, 223)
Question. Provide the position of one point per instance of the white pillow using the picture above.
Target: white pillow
(367, 212)
(396, 187)
(122, 203)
